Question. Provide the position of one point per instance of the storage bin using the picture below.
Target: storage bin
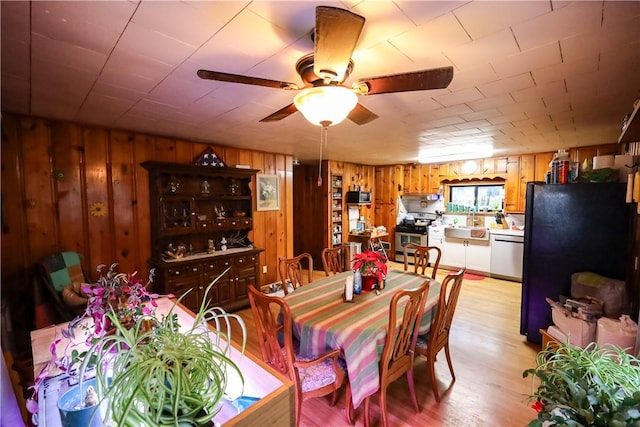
(620, 332)
(580, 332)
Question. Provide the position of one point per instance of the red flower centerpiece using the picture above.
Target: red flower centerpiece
(372, 266)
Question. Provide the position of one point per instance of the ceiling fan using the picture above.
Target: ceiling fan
(323, 99)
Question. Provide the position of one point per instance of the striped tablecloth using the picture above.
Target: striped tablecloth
(323, 321)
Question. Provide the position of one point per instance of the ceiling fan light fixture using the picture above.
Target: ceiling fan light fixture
(325, 105)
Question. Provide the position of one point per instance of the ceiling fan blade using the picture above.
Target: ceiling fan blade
(281, 113)
(336, 34)
(361, 115)
(435, 78)
(236, 78)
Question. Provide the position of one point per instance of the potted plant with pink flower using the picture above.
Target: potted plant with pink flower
(122, 296)
(372, 266)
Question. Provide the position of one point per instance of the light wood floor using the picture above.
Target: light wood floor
(489, 356)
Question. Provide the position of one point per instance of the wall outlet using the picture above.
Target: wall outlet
(264, 269)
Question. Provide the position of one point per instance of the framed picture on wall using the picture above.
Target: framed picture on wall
(268, 192)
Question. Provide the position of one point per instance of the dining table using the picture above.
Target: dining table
(323, 320)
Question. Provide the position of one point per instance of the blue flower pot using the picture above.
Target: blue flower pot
(82, 417)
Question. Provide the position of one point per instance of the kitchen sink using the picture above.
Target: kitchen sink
(475, 233)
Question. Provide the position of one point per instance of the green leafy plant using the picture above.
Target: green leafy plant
(585, 387)
(166, 375)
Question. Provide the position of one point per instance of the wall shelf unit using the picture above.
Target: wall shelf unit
(201, 217)
(336, 209)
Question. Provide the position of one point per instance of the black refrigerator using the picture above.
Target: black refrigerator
(568, 229)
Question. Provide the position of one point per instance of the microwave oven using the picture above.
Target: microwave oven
(359, 197)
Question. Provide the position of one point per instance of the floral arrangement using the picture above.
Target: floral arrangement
(121, 295)
(123, 292)
(370, 263)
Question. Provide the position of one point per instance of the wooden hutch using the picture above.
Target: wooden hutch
(201, 217)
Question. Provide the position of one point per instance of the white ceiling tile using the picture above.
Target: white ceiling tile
(98, 108)
(131, 70)
(575, 18)
(384, 21)
(561, 71)
(530, 60)
(153, 44)
(15, 21)
(92, 25)
(486, 49)
(459, 97)
(507, 85)
(538, 91)
(503, 99)
(179, 92)
(619, 11)
(383, 59)
(435, 37)
(68, 55)
(422, 11)
(190, 23)
(483, 114)
(472, 77)
(473, 15)
(297, 18)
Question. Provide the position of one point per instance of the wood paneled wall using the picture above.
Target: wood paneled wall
(54, 172)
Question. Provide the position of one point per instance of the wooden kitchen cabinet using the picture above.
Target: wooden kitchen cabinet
(512, 185)
(473, 254)
(192, 209)
(527, 173)
(417, 179)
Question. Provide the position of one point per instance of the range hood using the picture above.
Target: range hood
(423, 196)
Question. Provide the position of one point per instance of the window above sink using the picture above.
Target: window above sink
(475, 198)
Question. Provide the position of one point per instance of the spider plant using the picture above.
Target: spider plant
(167, 375)
(594, 386)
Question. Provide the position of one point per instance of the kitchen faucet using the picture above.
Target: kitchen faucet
(471, 214)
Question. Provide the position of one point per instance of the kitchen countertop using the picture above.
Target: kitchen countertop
(507, 232)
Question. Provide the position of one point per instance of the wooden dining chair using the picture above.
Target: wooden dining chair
(333, 260)
(312, 377)
(397, 355)
(438, 337)
(421, 257)
(291, 271)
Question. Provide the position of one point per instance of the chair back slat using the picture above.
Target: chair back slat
(447, 303)
(421, 257)
(333, 260)
(291, 271)
(402, 332)
(273, 336)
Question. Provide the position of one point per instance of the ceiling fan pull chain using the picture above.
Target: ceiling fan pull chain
(323, 140)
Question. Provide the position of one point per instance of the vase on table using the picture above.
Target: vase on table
(369, 282)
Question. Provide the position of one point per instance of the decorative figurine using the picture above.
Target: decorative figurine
(174, 185)
(233, 187)
(223, 244)
(182, 250)
(171, 251)
(205, 187)
(219, 210)
(211, 247)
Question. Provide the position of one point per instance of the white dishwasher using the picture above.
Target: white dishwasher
(507, 252)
